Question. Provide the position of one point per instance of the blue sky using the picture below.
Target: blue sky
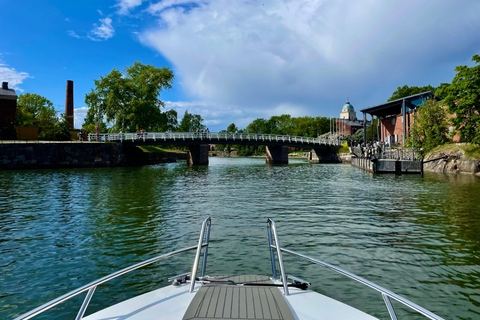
(238, 60)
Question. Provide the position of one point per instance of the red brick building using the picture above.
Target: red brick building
(397, 117)
(8, 109)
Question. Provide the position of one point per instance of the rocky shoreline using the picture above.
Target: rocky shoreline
(454, 161)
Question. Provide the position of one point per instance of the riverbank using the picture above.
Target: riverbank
(454, 158)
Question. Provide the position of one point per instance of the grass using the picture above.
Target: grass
(472, 151)
(344, 148)
(159, 149)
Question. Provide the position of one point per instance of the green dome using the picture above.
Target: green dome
(347, 106)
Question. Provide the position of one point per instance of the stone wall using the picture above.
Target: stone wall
(60, 155)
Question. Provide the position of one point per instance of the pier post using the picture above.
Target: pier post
(198, 154)
(277, 154)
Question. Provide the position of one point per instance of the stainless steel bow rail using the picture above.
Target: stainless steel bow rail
(208, 136)
(386, 294)
(202, 243)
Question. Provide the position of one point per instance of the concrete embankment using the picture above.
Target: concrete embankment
(45, 155)
(451, 161)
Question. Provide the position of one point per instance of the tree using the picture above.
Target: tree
(232, 128)
(34, 110)
(430, 127)
(191, 122)
(406, 91)
(130, 100)
(462, 97)
(62, 128)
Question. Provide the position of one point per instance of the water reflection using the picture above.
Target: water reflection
(416, 236)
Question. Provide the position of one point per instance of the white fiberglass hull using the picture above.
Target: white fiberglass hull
(172, 302)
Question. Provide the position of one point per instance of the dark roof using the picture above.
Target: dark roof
(8, 93)
(395, 107)
(353, 123)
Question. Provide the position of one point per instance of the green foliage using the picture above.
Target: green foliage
(344, 148)
(472, 151)
(358, 136)
(169, 121)
(232, 128)
(191, 122)
(430, 127)
(90, 128)
(62, 129)
(286, 125)
(34, 110)
(462, 97)
(406, 91)
(130, 100)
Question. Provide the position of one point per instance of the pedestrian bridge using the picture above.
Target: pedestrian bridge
(198, 142)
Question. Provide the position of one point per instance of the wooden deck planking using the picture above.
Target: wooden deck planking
(229, 301)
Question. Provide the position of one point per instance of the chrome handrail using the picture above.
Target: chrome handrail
(93, 285)
(386, 294)
(206, 222)
(273, 230)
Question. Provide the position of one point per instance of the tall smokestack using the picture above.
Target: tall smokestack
(69, 102)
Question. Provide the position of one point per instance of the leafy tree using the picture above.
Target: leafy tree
(170, 120)
(62, 128)
(462, 97)
(406, 91)
(34, 110)
(358, 136)
(130, 100)
(261, 126)
(430, 126)
(232, 128)
(191, 122)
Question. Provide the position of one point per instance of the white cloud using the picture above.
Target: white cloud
(79, 115)
(126, 5)
(72, 33)
(12, 76)
(308, 56)
(104, 31)
(156, 8)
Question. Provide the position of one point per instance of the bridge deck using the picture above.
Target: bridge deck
(178, 138)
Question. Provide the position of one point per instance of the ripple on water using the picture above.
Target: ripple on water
(415, 236)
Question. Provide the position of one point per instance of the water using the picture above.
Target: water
(418, 237)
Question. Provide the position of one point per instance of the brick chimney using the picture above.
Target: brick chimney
(5, 85)
(69, 102)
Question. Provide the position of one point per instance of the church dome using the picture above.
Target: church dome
(347, 106)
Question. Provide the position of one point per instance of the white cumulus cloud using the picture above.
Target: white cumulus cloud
(13, 77)
(79, 115)
(308, 56)
(104, 31)
(126, 5)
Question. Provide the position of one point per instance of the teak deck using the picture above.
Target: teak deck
(226, 300)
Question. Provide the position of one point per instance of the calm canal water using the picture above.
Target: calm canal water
(418, 237)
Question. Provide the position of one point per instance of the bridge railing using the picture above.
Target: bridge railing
(216, 137)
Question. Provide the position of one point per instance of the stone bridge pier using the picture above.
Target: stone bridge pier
(324, 155)
(277, 154)
(198, 154)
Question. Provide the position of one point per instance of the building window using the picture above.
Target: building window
(393, 121)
